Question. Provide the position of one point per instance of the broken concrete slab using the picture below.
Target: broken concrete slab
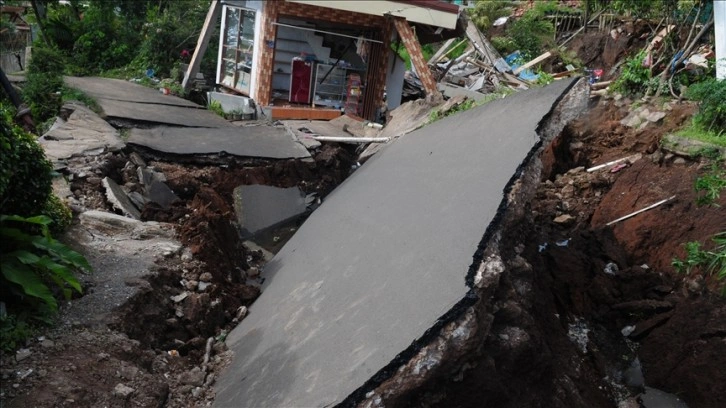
(158, 192)
(162, 114)
(120, 90)
(117, 197)
(382, 260)
(83, 134)
(404, 119)
(259, 207)
(452, 90)
(247, 141)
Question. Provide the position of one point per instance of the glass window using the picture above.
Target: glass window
(238, 47)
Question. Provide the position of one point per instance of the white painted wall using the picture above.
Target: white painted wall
(719, 20)
(394, 80)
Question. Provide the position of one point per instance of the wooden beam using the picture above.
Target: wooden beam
(533, 62)
(481, 44)
(441, 51)
(207, 30)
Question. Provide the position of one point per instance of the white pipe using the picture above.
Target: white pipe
(600, 166)
(661, 202)
(343, 139)
(326, 32)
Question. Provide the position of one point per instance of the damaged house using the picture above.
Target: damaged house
(307, 59)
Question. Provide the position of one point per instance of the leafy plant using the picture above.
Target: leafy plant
(711, 97)
(216, 107)
(30, 261)
(14, 330)
(709, 186)
(44, 83)
(544, 78)
(25, 173)
(532, 33)
(486, 12)
(635, 77)
(73, 94)
(712, 262)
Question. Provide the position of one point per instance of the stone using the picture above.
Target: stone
(187, 255)
(655, 116)
(178, 298)
(679, 160)
(205, 277)
(203, 286)
(137, 159)
(632, 120)
(159, 193)
(260, 208)
(22, 354)
(138, 200)
(118, 199)
(122, 390)
(253, 273)
(194, 377)
(128, 372)
(564, 219)
(47, 343)
(241, 312)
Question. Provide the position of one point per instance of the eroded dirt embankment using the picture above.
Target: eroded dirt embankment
(163, 345)
(560, 287)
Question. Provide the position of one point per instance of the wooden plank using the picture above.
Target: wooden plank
(440, 53)
(207, 30)
(532, 63)
(482, 45)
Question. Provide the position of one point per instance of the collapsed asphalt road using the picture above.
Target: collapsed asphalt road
(385, 261)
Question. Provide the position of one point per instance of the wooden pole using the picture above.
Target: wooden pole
(207, 30)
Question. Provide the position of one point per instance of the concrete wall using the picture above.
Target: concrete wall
(394, 82)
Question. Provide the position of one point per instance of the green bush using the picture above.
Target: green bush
(44, 83)
(711, 262)
(31, 261)
(103, 40)
(532, 34)
(711, 97)
(25, 173)
(14, 330)
(635, 78)
(59, 213)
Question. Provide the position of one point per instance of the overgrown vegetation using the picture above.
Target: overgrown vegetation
(710, 262)
(34, 267)
(711, 97)
(44, 83)
(32, 260)
(123, 37)
(709, 186)
(636, 78)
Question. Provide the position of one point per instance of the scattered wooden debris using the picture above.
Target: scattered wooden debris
(534, 62)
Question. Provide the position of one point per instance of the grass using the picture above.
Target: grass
(73, 94)
(710, 262)
(712, 137)
(470, 103)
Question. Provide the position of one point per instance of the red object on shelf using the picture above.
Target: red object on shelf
(301, 80)
(353, 94)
